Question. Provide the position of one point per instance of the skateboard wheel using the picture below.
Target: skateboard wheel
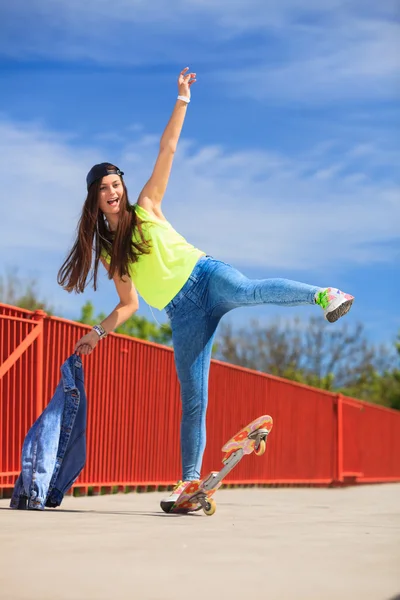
(261, 448)
(210, 507)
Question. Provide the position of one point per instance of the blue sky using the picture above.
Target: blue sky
(288, 161)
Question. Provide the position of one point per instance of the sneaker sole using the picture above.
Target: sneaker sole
(338, 312)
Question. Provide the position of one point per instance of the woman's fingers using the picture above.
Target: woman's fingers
(182, 74)
(84, 348)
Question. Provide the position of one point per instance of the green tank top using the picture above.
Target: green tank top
(159, 275)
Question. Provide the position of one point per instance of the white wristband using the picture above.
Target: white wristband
(101, 332)
(184, 98)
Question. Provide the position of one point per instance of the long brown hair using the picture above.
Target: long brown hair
(95, 239)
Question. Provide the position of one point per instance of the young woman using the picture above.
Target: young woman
(143, 253)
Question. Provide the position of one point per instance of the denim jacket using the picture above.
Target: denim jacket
(54, 449)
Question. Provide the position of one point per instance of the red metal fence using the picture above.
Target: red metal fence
(134, 414)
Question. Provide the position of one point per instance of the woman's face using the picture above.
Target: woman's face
(110, 194)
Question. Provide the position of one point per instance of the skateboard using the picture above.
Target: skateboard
(197, 494)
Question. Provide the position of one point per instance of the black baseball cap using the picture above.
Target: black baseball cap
(101, 170)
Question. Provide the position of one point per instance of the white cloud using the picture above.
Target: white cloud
(45, 169)
(355, 59)
(304, 51)
(253, 207)
(184, 15)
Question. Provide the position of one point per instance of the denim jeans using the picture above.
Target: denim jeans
(54, 450)
(213, 289)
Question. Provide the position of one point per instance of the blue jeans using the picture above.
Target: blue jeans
(213, 289)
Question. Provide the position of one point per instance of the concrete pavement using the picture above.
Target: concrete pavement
(303, 544)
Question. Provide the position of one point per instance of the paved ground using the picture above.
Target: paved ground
(303, 544)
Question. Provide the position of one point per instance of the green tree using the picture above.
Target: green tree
(393, 391)
(22, 293)
(136, 326)
(380, 386)
(338, 359)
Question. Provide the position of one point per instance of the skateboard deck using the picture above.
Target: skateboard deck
(197, 495)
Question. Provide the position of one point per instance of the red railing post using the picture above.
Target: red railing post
(340, 445)
(39, 316)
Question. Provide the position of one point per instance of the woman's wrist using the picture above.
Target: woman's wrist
(100, 331)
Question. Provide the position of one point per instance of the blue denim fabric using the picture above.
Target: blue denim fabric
(213, 289)
(54, 449)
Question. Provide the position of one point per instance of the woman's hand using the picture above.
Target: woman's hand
(185, 80)
(87, 343)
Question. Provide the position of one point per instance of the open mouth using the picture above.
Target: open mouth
(113, 202)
